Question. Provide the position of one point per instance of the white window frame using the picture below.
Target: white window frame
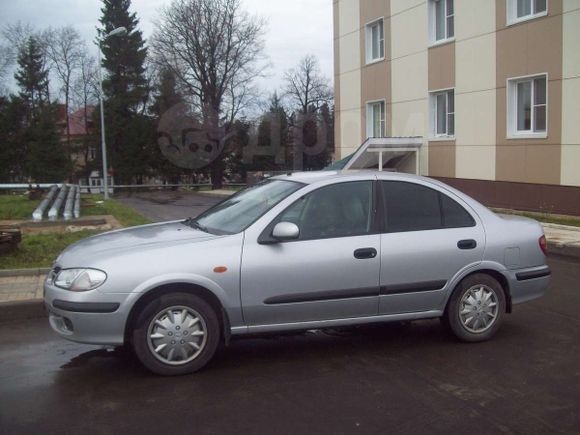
(433, 112)
(512, 12)
(512, 108)
(369, 115)
(369, 41)
(433, 26)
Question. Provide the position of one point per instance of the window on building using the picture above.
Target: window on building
(92, 153)
(443, 113)
(527, 106)
(441, 20)
(413, 207)
(339, 210)
(521, 10)
(375, 41)
(376, 119)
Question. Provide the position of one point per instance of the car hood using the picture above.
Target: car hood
(119, 241)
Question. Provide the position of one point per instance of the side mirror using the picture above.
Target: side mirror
(285, 231)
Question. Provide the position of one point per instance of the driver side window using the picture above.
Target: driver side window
(339, 210)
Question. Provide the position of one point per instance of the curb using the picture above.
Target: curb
(24, 272)
(22, 310)
(215, 195)
(564, 250)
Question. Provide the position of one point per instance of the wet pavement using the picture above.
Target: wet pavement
(167, 205)
(410, 378)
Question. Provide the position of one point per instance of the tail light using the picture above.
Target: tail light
(543, 244)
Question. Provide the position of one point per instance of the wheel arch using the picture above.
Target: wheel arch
(492, 271)
(179, 287)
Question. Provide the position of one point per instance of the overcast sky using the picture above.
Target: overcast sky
(295, 27)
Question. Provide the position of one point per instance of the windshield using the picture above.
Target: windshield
(238, 212)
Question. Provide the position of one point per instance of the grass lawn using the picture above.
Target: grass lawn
(95, 205)
(40, 250)
(544, 217)
(16, 207)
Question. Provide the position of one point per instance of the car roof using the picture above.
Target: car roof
(312, 177)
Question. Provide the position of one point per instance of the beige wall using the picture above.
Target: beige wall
(484, 54)
(570, 159)
(409, 63)
(475, 96)
(376, 77)
(441, 75)
(348, 75)
(530, 47)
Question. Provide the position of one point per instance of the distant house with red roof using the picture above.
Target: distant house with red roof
(80, 127)
(80, 122)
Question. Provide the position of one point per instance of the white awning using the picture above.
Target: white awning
(388, 154)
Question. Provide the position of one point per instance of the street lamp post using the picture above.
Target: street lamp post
(116, 32)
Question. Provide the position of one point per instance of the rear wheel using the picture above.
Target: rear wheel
(476, 308)
(176, 334)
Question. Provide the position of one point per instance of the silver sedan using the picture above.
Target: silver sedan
(296, 252)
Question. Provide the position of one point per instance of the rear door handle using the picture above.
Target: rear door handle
(363, 253)
(467, 244)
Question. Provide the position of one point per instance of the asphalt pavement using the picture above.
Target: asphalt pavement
(411, 378)
(165, 206)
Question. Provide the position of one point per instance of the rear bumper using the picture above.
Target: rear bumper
(528, 284)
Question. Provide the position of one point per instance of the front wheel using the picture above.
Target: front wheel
(476, 308)
(176, 334)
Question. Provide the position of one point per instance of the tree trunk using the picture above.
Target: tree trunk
(214, 135)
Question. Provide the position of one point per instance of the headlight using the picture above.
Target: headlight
(80, 280)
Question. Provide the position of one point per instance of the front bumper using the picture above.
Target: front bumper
(91, 317)
(528, 284)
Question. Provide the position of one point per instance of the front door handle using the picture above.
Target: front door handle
(363, 253)
(467, 244)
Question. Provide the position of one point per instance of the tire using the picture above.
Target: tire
(176, 334)
(464, 304)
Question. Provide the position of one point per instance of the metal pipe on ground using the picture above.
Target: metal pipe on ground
(15, 186)
(68, 207)
(77, 206)
(54, 210)
(39, 212)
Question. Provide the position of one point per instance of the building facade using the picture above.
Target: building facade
(491, 86)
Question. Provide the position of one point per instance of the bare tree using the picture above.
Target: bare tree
(85, 93)
(6, 62)
(15, 37)
(64, 48)
(214, 48)
(306, 87)
(85, 86)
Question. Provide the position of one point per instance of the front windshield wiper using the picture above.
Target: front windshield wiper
(191, 222)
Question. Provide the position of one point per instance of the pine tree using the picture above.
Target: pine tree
(129, 133)
(13, 112)
(167, 96)
(35, 137)
(123, 56)
(32, 76)
(46, 159)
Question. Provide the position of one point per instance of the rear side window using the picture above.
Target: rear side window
(413, 207)
(454, 216)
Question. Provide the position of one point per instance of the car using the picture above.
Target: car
(297, 252)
